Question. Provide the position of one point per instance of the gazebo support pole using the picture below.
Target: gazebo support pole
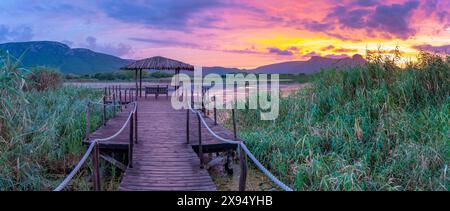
(140, 83)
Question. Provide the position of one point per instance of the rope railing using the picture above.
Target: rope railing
(69, 177)
(245, 149)
(93, 146)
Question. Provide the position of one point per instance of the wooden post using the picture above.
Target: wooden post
(187, 126)
(114, 90)
(120, 99)
(243, 166)
(136, 124)
(131, 144)
(88, 120)
(140, 83)
(203, 103)
(114, 105)
(136, 77)
(96, 169)
(192, 98)
(126, 96)
(215, 111)
(234, 123)
(200, 147)
(104, 107)
(104, 110)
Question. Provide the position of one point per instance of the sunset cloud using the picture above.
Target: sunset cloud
(240, 33)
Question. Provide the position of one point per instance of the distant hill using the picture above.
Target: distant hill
(313, 65)
(221, 70)
(61, 56)
(85, 61)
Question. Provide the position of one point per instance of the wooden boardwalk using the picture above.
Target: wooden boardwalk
(162, 160)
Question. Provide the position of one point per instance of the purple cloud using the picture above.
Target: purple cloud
(365, 3)
(327, 48)
(317, 26)
(390, 19)
(310, 54)
(166, 42)
(345, 50)
(117, 50)
(280, 52)
(17, 34)
(394, 19)
(433, 49)
(166, 14)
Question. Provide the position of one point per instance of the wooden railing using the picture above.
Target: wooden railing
(242, 148)
(93, 149)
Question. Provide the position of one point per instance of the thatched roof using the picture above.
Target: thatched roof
(158, 63)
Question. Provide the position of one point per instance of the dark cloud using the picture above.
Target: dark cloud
(17, 34)
(390, 20)
(434, 49)
(166, 43)
(310, 54)
(167, 14)
(394, 19)
(318, 26)
(365, 3)
(117, 50)
(280, 52)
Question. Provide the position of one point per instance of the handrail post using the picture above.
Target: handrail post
(203, 102)
(120, 99)
(131, 144)
(88, 120)
(114, 105)
(215, 111)
(192, 98)
(136, 124)
(233, 114)
(207, 110)
(125, 96)
(187, 126)
(243, 166)
(104, 110)
(96, 169)
(200, 147)
(242, 155)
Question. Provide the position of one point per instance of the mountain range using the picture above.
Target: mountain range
(62, 57)
(85, 61)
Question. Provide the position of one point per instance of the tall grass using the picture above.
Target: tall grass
(377, 127)
(41, 131)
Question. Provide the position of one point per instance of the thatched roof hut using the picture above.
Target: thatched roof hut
(158, 63)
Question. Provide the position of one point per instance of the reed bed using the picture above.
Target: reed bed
(41, 130)
(374, 127)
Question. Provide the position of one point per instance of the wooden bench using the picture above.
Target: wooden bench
(157, 90)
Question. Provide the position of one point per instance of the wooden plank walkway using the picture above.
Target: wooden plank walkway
(162, 160)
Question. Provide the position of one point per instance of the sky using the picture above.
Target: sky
(231, 33)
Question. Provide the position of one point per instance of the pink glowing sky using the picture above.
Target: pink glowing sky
(236, 33)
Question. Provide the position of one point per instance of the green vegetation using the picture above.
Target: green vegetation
(297, 78)
(117, 76)
(41, 129)
(378, 127)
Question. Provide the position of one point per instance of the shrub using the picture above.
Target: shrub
(43, 78)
